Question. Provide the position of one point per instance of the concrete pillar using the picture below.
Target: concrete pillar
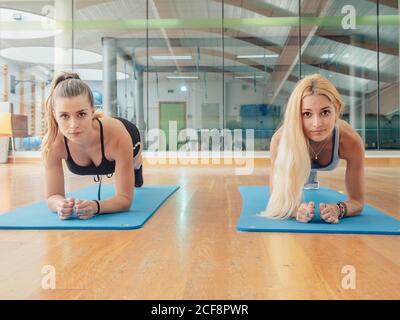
(110, 76)
(139, 101)
(362, 115)
(63, 42)
(352, 93)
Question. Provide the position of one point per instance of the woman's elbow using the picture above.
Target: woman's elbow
(126, 203)
(359, 207)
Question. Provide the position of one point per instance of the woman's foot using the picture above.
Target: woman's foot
(139, 177)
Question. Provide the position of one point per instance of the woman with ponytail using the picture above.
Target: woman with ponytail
(91, 144)
(313, 138)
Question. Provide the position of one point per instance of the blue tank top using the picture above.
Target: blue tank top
(335, 160)
(312, 181)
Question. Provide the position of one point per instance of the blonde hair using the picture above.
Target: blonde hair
(67, 84)
(292, 165)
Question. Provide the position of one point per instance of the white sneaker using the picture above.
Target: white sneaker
(313, 185)
(312, 182)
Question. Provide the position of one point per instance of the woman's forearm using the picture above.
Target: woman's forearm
(114, 204)
(117, 203)
(54, 201)
(354, 207)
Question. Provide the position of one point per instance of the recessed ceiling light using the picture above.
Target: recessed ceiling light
(15, 17)
(45, 55)
(40, 71)
(248, 77)
(183, 88)
(96, 74)
(182, 77)
(257, 56)
(171, 57)
(327, 56)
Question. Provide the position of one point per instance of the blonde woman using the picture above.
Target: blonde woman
(313, 138)
(91, 144)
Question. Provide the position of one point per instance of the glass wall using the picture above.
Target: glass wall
(205, 65)
(388, 102)
(116, 30)
(184, 78)
(260, 56)
(28, 39)
(345, 51)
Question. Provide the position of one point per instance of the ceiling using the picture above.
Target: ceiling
(346, 56)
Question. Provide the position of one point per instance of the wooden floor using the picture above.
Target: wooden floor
(190, 248)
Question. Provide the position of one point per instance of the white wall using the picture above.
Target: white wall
(389, 100)
(194, 98)
(241, 92)
(236, 94)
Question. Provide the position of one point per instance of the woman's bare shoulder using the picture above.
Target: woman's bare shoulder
(111, 125)
(278, 133)
(115, 133)
(350, 140)
(347, 132)
(57, 149)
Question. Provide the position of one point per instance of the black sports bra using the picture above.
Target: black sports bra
(106, 166)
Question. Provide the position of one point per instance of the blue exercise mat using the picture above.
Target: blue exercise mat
(146, 201)
(255, 199)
